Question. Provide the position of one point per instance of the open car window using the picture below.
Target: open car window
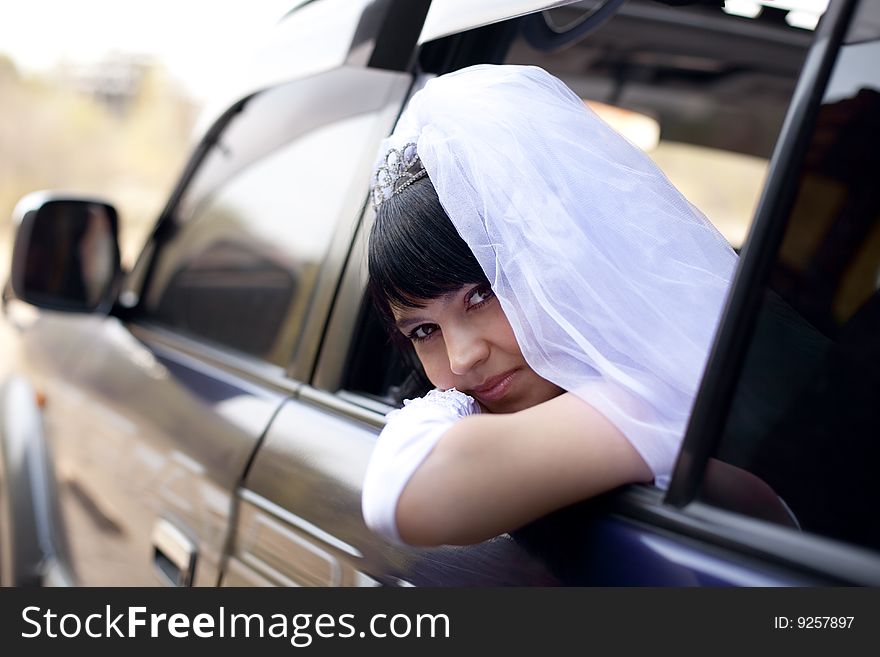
(804, 416)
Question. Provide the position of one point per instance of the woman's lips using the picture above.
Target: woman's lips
(496, 387)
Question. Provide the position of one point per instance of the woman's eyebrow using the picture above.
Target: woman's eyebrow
(406, 322)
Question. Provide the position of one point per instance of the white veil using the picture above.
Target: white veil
(612, 281)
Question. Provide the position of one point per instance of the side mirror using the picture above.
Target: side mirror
(66, 253)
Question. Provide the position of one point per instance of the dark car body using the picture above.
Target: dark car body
(207, 421)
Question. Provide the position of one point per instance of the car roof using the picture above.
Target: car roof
(447, 17)
(317, 36)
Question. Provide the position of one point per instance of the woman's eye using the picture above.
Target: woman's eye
(422, 332)
(479, 296)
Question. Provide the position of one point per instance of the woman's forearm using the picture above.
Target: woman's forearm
(490, 474)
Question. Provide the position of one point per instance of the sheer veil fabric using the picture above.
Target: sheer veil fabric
(612, 281)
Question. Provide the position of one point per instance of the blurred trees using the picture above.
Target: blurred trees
(119, 129)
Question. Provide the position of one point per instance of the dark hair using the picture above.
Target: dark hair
(415, 253)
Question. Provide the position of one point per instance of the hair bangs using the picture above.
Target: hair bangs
(415, 253)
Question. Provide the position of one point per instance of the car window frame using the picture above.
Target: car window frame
(299, 363)
(401, 19)
(740, 314)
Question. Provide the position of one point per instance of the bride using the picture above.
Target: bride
(560, 293)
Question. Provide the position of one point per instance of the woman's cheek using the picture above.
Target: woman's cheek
(435, 364)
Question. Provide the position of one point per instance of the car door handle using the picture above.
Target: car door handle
(174, 555)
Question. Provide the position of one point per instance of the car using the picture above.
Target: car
(205, 418)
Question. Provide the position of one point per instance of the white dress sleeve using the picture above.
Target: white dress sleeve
(409, 435)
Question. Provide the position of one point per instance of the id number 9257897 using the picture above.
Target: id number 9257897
(813, 622)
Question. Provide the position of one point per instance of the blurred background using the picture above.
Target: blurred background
(101, 97)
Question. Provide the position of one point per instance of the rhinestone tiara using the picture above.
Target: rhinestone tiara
(399, 169)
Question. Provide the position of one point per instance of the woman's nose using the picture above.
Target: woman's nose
(465, 349)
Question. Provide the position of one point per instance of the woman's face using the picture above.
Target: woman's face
(465, 341)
